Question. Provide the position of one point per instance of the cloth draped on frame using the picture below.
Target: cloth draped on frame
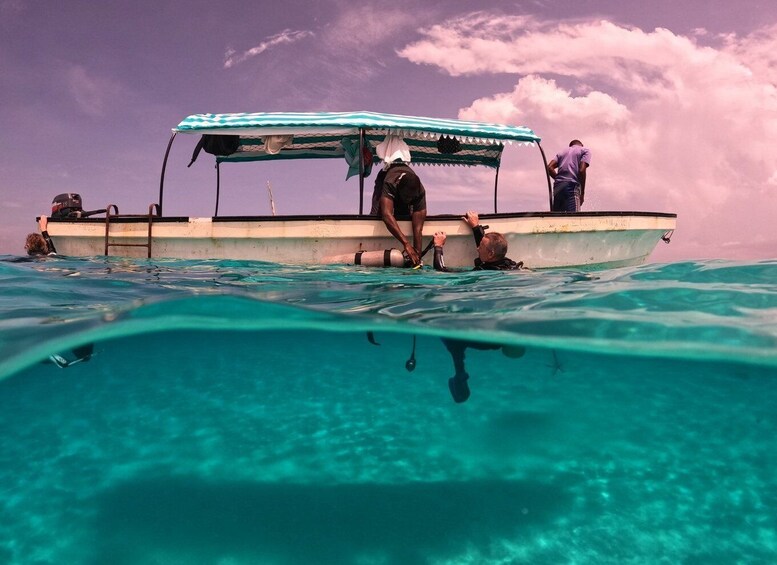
(274, 143)
(391, 149)
(351, 150)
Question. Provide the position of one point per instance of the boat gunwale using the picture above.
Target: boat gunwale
(352, 217)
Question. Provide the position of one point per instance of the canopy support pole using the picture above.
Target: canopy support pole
(164, 167)
(361, 171)
(547, 176)
(496, 186)
(218, 186)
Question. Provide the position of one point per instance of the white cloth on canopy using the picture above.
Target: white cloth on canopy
(391, 149)
(274, 143)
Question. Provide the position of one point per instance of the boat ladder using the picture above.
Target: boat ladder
(112, 212)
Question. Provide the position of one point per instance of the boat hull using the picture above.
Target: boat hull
(540, 240)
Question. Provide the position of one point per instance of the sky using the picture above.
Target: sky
(677, 101)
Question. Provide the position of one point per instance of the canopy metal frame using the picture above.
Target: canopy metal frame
(362, 142)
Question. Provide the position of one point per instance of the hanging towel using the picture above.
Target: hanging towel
(351, 151)
(274, 143)
(391, 149)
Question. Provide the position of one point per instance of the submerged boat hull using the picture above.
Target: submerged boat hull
(540, 240)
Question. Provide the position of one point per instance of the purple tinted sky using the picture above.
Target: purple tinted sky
(677, 101)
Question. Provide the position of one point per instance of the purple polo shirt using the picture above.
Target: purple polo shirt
(569, 163)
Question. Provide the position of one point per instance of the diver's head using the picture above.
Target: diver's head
(493, 247)
(36, 245)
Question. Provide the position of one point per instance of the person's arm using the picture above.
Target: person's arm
(473, 220)
(581, 176)
(387, 212)
(418, 218)
(552, 168)
(43, 224)
(439, 241)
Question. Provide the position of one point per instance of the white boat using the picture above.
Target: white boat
(539, 239)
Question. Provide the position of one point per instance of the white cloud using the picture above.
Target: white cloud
(360, 27)
(287, 36)
(538, 96)
(355, 46)
(348, 55)
(758, 50)
(673, 125)
(94, 95)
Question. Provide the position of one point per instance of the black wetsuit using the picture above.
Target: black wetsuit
(504, 264)
(457, 347)
(49, 243)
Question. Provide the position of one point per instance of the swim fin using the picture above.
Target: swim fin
(459, 388)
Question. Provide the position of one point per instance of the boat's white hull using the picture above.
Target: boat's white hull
(539, 240)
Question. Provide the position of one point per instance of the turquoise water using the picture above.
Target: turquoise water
(237, 413)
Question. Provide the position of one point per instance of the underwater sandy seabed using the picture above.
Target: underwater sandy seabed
(233, 448)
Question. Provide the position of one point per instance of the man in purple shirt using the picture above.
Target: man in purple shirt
(568, 170)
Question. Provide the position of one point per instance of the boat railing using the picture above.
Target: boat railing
(112, 212)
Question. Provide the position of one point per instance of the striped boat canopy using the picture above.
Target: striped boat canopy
(322, 135)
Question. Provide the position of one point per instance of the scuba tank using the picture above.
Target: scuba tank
(385, 258)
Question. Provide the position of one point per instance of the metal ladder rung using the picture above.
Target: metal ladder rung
(116, 214)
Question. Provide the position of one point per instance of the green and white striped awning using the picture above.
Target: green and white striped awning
(318, 135)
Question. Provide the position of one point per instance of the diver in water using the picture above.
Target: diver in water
(491, 248)
(36, 244)
(492, 256)
(40, 244)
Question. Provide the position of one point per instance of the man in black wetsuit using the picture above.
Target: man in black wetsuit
(492, 256)
(492, 248)
(40, 243)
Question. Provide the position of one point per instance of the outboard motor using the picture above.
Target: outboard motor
(68, 206)
(386, 258)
